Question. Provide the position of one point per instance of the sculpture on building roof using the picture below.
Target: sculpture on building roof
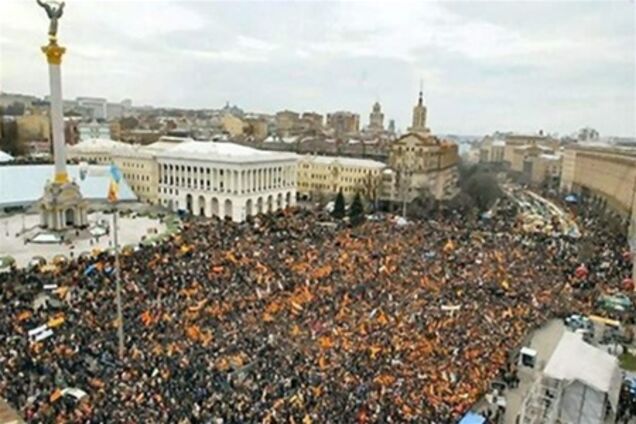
(54, 11)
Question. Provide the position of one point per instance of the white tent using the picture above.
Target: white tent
(589, 378)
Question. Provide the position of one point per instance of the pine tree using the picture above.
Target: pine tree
(339, 206)
(356, 211)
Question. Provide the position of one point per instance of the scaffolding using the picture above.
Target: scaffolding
(542, 402)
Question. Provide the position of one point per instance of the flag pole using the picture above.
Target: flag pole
(113, 190)
(120, 317)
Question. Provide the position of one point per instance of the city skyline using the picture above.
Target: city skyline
(563, 70)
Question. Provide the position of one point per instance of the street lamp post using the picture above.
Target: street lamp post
(632, 230)
(120, 316)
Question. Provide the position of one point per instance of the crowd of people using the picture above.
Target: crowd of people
(288, 319)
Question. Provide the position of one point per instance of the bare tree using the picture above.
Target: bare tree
(370, 188)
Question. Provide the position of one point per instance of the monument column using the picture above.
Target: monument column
(54, 54)
(62, 206)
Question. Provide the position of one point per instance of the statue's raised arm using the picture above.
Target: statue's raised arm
(54, 11)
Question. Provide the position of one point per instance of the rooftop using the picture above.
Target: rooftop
(593, 366)
(550, 157)
(222, 152)
(98, 145)
(602, 147)
(24, 184)
(345, 161)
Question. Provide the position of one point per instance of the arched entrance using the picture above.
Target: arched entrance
(201, 205)
(215, 207)
(171, 205)
(189, 203)
(270, 203)
(227, 209)
(259, 205)
(248, 208)
(279, 201)
(288, 199)
(69, 217)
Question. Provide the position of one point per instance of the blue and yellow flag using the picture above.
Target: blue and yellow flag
(113, 187)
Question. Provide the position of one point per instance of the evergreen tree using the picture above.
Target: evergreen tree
(339, 207)
(356, 211)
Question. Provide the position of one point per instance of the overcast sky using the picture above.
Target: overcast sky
(485, 66)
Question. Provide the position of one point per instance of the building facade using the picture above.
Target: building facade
(233, 125)
(140, 168)
(608, 172)
(94, 129)
(418, 124)
(287, 122)
(118, 110)
(320, 176)
(517, 140)
(257, 127)
(96, 107)
(376, 118)
(344, 123)
(422, 161)
(35, 127)
(521, 155)
(311, 121)
(95, 150)
(226, 180)
(492, 150)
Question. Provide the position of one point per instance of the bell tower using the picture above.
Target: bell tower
(419, 115)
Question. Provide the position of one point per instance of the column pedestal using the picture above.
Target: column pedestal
(62, 207)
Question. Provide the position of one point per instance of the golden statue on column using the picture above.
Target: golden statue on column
(62, 206)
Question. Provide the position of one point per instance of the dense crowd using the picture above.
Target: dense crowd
(288, 319)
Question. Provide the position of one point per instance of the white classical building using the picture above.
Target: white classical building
(226, 180)
(94, 129)
(96, 150)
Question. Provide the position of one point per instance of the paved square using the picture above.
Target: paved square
(12, 243)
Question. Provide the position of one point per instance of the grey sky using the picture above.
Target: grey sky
(486, 66)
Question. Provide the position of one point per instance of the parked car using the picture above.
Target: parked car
(615, 303)
(579, 322)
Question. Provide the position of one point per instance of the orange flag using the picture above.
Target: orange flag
(57, 393)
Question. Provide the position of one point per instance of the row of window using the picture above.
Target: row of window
(140, 189)
(132, 165)
(220, 185)
(136, 177)
(356, 170)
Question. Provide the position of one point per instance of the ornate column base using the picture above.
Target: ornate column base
(62, 207)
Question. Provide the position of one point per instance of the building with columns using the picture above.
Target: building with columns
(96, 150)
(225, 180)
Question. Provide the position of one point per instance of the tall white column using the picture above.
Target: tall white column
(54, 57)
